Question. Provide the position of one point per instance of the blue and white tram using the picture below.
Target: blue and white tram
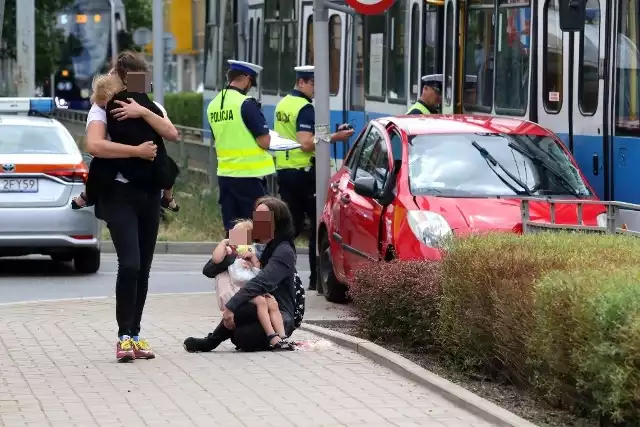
(584, 85)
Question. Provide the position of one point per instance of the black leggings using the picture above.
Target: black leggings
(133, 218)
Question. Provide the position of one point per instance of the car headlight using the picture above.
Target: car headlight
(601, 220)
(429, 227)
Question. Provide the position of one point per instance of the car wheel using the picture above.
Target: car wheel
(61, 257)
(333, 290)
(87, 261)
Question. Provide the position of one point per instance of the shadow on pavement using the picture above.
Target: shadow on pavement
(35, 267)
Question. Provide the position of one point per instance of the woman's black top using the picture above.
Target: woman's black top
(275, 278)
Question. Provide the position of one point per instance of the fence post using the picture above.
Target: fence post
(611, 218)
(524, 213)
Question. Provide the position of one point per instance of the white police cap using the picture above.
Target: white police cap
(304, 71)
(245, 67)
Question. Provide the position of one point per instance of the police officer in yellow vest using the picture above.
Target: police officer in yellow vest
(430, 98)
(241, 136)
(295, 120)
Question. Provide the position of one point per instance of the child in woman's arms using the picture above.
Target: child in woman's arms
(245, 267)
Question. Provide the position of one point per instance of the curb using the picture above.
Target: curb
(183, 248)
(461, 397)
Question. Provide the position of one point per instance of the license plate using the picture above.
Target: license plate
(18, 185)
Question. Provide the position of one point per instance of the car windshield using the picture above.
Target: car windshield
(491, 164)
(21, 139)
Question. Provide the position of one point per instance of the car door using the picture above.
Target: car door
(335, 201)
(361, 215)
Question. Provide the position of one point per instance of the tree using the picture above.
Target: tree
(48, 37)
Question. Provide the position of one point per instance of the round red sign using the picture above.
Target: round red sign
(370, 7)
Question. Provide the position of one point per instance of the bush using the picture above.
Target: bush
(398, 301)
(586, 344)
(487, 306)
(184, 108)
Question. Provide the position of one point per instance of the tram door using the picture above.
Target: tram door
(337, 65)
(255, 33)
(451, 64)
(573, 78)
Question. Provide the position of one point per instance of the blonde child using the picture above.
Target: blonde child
(244, 268)
(105, 88)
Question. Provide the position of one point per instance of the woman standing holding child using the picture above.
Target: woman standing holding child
(130, 206)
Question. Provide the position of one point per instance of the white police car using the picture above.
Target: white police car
(41, 170)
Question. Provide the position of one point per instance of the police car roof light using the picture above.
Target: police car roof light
(44, 106)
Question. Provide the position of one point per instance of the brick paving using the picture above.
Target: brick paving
(57, 368)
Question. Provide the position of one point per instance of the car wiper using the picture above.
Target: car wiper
(492, 161)
(563, 180)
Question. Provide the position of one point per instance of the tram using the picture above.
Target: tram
(86, 26)
(583, 85)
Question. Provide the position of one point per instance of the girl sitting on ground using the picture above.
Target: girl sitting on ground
(246, 266)
(106, 89)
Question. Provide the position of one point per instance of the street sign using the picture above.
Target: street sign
(370, 7)
(142, 36)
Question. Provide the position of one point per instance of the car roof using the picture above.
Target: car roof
(463, 123)
(14, 119)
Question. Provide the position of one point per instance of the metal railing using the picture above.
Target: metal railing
(193, 150)
(613, 211)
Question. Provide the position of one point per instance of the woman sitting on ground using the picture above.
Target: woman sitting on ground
(277, 277)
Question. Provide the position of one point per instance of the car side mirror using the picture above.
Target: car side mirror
(572, 15)
(366, 186)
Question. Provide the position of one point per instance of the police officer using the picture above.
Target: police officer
(295, 120)
(429, 100)
(241, 138)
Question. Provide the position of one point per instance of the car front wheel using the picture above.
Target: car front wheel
(87, 261)
(333, 290)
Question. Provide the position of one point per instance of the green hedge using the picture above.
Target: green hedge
(555, 312)
(184, 108)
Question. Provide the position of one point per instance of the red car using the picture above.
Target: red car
(409, 181)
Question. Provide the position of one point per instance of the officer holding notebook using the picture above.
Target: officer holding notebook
(295, 120)
(241, 136)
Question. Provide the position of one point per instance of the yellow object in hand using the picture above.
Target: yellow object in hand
(243, 249)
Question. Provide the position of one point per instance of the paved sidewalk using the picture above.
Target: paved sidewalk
(57, 368)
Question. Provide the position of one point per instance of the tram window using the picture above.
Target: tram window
(270, 58)
(431, 55)
(450, 49)
(251, 41)
(309, 57)
(589, 60)
(258, 42)
(415, 53)
(288, 57)
(478, 61)
(287, 9)
(627, 73)
(396, 87)
(357, 81)
(553, 53)
(512, 59)
(271, 9)
(228, 41)
(211, 51)
(374, 45)
(335, 44)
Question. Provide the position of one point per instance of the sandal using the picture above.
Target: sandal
(280, 345)
(170, 204)
(74, 204)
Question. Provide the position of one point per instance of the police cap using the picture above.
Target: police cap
(304, 72)
(245, 67)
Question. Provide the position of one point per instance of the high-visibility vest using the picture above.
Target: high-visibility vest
(239, 155)
(419, 106)
(286, 119)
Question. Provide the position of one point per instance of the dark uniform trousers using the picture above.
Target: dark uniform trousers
(238, 197)
(297, 189)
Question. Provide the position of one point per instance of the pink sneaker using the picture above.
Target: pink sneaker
(142, 349)
(124, 350)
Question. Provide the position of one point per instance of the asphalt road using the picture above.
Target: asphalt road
(39, 278)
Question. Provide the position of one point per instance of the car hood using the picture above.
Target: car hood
(476, 214)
